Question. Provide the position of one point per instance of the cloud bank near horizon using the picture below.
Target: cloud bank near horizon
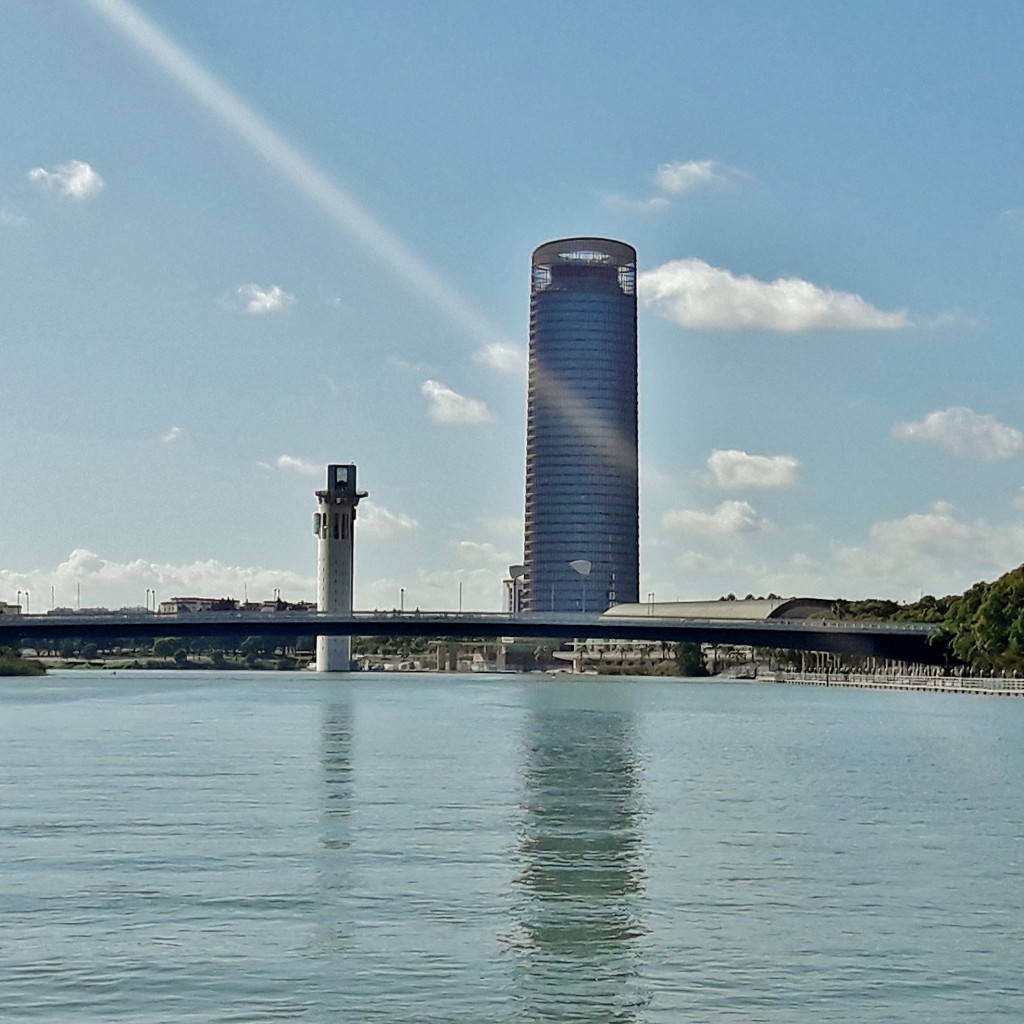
(95, 581)
(934, 551)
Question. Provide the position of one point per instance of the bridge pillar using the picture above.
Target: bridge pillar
(334, 525)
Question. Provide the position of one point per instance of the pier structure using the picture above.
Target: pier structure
(334, 525)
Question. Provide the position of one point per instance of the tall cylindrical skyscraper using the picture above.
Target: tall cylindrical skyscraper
(582, 491)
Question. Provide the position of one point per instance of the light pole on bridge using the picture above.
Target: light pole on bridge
(583, 567)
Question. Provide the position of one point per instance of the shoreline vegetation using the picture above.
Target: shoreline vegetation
(13, 664)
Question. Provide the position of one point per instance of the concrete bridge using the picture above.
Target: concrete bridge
(910, 642)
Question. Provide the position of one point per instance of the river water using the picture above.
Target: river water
(244, 848)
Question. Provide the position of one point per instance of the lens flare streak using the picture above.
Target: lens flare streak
(280, 155)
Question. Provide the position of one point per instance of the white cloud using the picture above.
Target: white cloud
(729, 518)
(732, 468)
(377, 521)
(964, 432)
(113, 584)
(447, 406)
(933, 551)
(292, 464)
(502, 357)
(73, 180)
(172, 435)
(259, 300)
(684, 176)
(482, 553)
(674, 179)
(696, 295)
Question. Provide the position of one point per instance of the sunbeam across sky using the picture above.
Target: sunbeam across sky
(331, 198)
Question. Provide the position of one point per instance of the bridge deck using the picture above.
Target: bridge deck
(903, 641)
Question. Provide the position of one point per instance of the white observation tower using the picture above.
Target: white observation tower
(334, 525)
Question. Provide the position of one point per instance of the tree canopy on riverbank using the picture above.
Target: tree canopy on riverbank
(983, 628)
(13, 664)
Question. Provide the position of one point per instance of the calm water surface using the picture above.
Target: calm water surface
(275, 847)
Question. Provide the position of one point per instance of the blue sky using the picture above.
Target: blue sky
(241, 240)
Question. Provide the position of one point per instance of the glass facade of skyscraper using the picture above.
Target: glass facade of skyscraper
(582, 494)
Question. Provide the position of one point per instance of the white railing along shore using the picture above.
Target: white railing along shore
(999, 686)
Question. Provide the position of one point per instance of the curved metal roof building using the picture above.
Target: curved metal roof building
(582, 492)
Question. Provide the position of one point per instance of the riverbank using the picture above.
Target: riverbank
(978, 686)
(13, 665)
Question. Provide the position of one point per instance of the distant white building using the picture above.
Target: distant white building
(9, 609)
(514, 590)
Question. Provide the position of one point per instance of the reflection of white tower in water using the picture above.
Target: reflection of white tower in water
(334, 526)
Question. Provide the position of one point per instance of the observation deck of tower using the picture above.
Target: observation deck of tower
(582, 490)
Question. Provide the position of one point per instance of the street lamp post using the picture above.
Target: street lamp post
(583, 567)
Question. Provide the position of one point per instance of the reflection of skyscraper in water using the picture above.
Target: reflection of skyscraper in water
(579, 917)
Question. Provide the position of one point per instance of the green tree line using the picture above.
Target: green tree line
(981, 629)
